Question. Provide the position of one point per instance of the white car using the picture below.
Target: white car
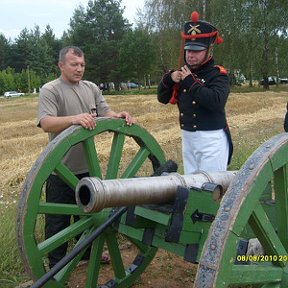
(12, 94)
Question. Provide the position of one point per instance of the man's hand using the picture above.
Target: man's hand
(86, 120)
(176, 76)
(129, 120)
(185, 71)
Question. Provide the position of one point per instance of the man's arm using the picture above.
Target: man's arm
(56, 124)
(165, 88)
(129, 120)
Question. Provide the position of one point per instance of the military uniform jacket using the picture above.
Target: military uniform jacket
(201, 97)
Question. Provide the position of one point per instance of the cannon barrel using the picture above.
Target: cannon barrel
(94, 194)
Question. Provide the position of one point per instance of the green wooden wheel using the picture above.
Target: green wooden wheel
(131, 149)
(248, 211)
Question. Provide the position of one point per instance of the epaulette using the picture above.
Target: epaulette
(221, 69)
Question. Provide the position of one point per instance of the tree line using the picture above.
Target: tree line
(254, 32)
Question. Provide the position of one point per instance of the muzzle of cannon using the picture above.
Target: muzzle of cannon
(207, 219)
(94, 194)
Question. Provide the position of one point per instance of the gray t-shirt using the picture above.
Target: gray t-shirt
(58, 98)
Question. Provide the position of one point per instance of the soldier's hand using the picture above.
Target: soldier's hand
(185, 71)
(176, 76)
(128, 118)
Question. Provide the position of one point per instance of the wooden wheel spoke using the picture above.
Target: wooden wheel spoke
(63, 275)
(265, 232)
(115, 155)
(66, 175)
(116, 259)
(59, 208)
(64, 235)
(94, 262)
(92, 158)
(136, 163)
(281, 203)
(247, 274)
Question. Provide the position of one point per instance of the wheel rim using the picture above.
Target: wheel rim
(32, 206)
(247, 206)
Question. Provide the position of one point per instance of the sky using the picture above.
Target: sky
(15, 15)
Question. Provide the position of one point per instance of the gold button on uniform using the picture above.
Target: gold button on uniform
(184, 90)
(193, 102)
(194, 126)
(194, 115)
(181, 114)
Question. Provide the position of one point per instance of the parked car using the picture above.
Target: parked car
(129, 85)
(12, 94)
(133, 85)
(272, 80)
(283, 80)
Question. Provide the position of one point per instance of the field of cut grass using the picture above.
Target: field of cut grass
(253, 118)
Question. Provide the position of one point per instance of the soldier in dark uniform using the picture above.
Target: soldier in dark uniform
(200, 89)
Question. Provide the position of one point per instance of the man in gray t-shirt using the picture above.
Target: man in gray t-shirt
(63, 102)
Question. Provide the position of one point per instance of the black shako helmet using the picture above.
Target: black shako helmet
(198, 34)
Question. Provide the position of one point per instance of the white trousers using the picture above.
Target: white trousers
(204, 150)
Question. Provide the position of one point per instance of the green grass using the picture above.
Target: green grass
(257, 88)
(11, 267)
(241, 154)
(135, 91)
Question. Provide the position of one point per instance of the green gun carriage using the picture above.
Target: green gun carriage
(206, 218)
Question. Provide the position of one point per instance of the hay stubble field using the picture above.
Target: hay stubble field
(253, 118)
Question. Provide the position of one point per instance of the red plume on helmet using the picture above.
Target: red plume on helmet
(194, 16)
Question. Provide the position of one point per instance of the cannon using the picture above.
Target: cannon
(206, 218)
